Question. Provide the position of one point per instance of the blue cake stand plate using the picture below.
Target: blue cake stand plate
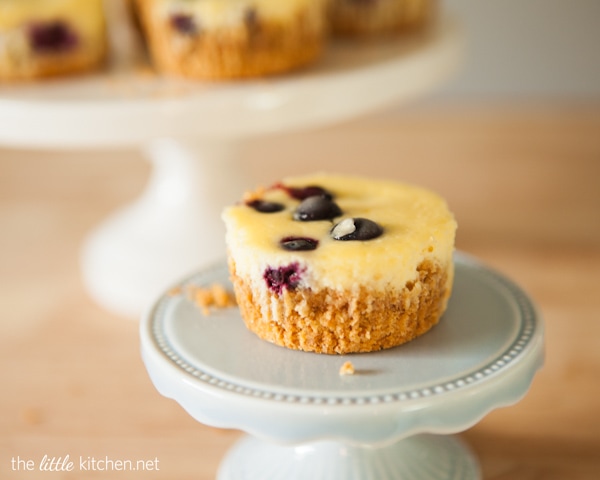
(392, 419)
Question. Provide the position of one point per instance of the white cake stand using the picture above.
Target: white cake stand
(389, 420)
(190, 132)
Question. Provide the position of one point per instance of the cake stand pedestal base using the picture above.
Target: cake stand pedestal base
(421, 457)
(174, 227)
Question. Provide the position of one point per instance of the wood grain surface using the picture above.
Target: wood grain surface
(522, 179)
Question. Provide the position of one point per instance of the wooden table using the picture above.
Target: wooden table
(522, 180)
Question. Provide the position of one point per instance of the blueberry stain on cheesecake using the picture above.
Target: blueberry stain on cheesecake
(251, 20)
(284, 277)
(184, 24)
(302, 193)
(51, 37)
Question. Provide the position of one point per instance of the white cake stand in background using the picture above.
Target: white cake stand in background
(190, 132)
(390, 420)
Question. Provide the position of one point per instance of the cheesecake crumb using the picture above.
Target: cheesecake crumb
(216, 295)
(175, 291)
(347, 368)
(253, 195)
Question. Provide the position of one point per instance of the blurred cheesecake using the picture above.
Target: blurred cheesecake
(224, 39)
(43, 38)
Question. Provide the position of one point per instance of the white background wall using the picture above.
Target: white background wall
(525, 48)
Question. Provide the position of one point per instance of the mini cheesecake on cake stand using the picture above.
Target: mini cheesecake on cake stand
(335, 263)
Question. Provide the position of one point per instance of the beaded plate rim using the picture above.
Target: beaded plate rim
(520, 345)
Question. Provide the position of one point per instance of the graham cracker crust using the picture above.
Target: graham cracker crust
(340, 322)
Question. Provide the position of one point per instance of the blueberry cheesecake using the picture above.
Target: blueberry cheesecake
(42, 38)
(339, 264)
(376, 17)
(227, 39)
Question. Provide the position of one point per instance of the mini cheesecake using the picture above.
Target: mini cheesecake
(340, 264)
(42, 38)
(227, 39)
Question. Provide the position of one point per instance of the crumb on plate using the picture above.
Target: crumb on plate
(173, 292)
(216, 295)
(347, 368)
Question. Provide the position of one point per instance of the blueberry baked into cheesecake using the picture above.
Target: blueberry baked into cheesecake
(375, 17)
(339, 264)
(227, 39)
(42, 38)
